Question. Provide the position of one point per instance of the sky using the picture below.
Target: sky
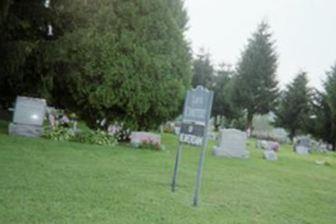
(304, 31)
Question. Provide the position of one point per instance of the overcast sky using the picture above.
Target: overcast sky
(304, 30)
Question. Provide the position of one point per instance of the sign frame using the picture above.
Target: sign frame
(196, 115)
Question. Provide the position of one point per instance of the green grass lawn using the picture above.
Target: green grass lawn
(43, 181)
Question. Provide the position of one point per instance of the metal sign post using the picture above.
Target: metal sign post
(199, 176)
(196, 116)
(177, 163)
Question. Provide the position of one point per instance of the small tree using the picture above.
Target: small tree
(223, 106)
(256, 85)
(330, 89)
(319, 124)
(294, 109)
(203, 71)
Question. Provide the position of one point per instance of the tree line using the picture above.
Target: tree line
(252, 88)
(129, 62)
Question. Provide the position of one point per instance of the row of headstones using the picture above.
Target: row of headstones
(29, 114)
(232, 143)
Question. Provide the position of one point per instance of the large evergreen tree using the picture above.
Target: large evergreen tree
(294, 109)
(123, 60)
(256, 84)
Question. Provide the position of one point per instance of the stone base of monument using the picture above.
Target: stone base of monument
(231, 153)
(25, 130)
(302, 150)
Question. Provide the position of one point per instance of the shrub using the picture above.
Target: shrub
(59, 133)
(97, 137)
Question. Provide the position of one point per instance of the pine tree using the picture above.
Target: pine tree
(256, 84)
(319, 124)
(294, 109)
(203, 71)
(330, 89)
(223, 106)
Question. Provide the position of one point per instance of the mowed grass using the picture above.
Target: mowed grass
(44, 181)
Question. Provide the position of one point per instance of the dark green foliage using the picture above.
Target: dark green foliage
(330, 89)
(324, 123)
(22, 42)
(294, 109)
(224, 110)
(97, 137)
(319, 124)
(126, 61)
(59, 134)
(4, 6)
(220, 81)
(123, 60)
(256, 86)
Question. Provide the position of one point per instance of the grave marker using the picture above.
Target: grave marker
(29, 114)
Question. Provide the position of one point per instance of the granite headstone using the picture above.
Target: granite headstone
(232, 144)
(29, 114)
(303, 146)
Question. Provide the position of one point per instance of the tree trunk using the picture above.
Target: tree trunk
(249, 120)
(217, 122)
(292, 134)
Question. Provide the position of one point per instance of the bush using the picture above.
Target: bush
(59, 133)
(97, 137)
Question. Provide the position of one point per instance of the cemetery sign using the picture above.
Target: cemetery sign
(196, 114)
(194, 130)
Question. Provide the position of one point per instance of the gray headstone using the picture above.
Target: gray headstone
(28, 117)
(232, 144)
(30, 111)
(303, 146)
(270, 155)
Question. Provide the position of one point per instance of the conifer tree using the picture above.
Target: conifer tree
(256, 85)
(203, 71)
(330, 93)
(294, 109)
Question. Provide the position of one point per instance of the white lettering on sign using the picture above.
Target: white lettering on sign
(196, 113)
(191, 139)
(197, 101)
